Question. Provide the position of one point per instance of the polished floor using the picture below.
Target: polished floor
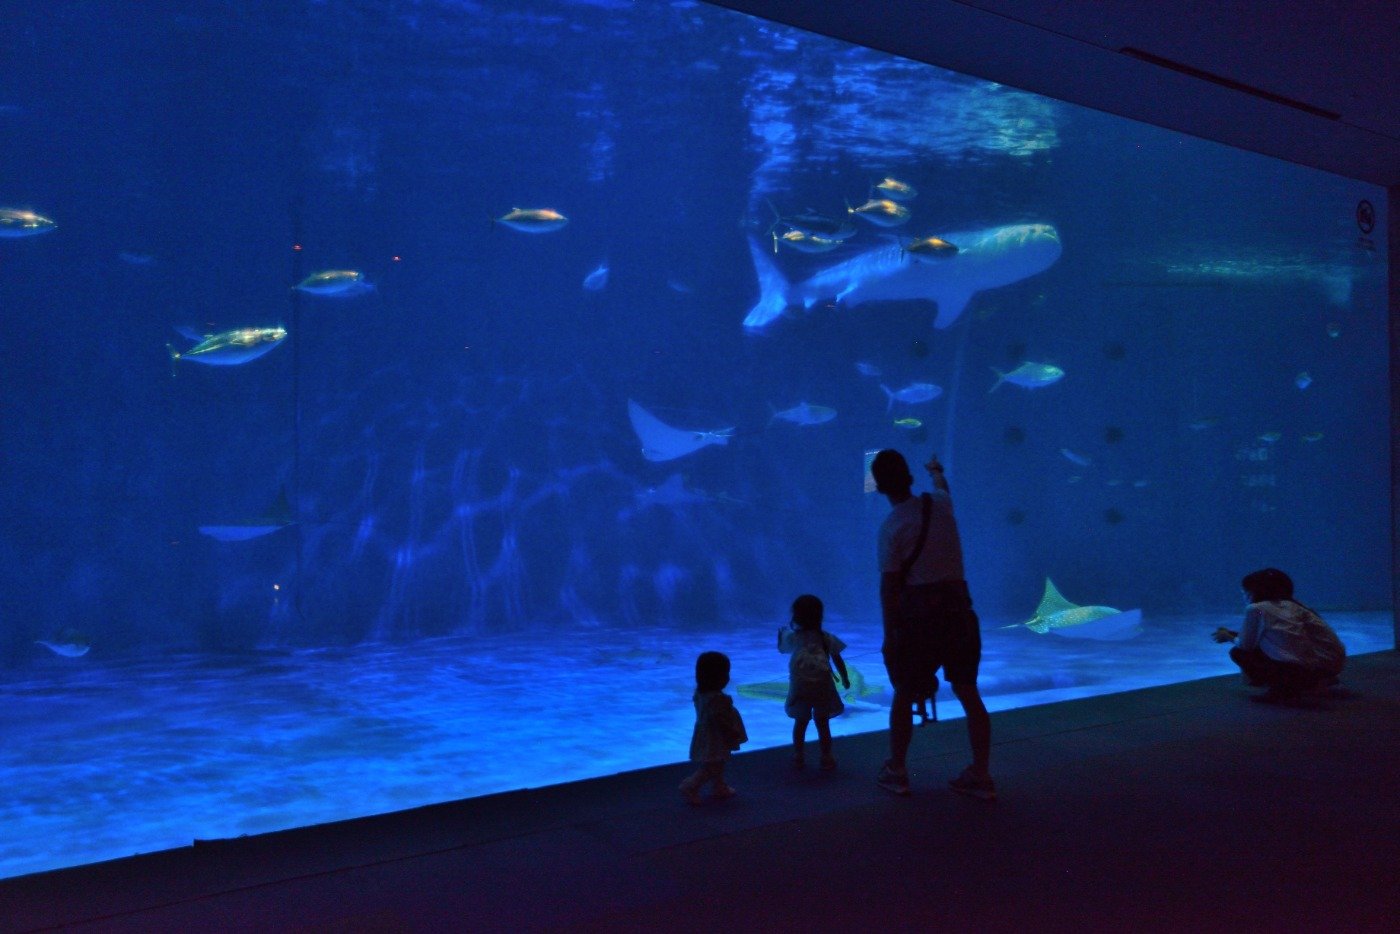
(1182, 807)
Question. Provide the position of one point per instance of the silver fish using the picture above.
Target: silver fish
(1029, 376)
(804, 413)
(231, 348)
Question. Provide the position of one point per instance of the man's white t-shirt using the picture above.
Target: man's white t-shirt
(941, 557)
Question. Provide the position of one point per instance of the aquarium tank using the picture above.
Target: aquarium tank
(399, 395)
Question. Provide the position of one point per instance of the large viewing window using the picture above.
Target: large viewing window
(400, 395)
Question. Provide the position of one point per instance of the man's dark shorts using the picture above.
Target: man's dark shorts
(938, 629)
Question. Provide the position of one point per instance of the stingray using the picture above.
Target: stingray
(854, 696)
(275, 518)
(1056, 614)
(661, 442)
(672, 495)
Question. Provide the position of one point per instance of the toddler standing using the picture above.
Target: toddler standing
(719, 730)
(811, 691)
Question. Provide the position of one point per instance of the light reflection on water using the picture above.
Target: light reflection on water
(109, 759)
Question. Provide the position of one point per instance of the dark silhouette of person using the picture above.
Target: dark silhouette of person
(719, 730)
(928, 619)
(811, 692)
(1283, 645)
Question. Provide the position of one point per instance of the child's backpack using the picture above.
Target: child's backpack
(811, 665)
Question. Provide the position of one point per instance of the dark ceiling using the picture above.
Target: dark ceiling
(1316, 83)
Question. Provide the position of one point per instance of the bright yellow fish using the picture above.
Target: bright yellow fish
(882, 212)
(931, 249)
(896, 190)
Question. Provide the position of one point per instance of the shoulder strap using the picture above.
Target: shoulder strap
(923, 536)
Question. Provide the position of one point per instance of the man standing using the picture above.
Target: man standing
(928, 619)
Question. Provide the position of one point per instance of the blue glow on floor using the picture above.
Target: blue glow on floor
(109, 759)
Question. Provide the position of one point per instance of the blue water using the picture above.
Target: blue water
(403, 515)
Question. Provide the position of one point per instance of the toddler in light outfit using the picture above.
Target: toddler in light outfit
(811, 690)
(719, 730)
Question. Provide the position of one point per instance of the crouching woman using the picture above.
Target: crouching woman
(1283, 645)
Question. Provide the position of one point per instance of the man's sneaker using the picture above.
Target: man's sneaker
(969, 784)
(893, 779)
(828, 762)
(723, 791)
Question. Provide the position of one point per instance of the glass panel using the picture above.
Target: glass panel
(627, 296)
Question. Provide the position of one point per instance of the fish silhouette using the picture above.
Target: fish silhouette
(276, 517)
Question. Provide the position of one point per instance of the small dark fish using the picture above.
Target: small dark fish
(930, 250)
(1013, 435)
(1113, 434)
(1112, 516)
(918, 349)
(1016, 517)
(1114, 351)
(805, 242)
(814, 225)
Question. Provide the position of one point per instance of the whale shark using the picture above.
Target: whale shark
(985, 259)
(1056, 614)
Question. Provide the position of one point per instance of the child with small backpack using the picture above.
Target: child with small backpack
(811, 689)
